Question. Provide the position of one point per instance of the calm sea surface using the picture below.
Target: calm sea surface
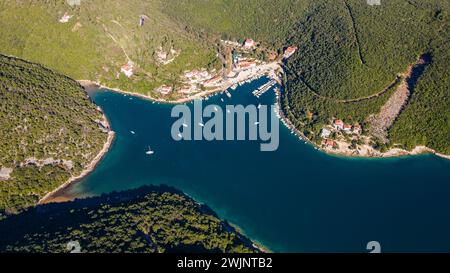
(296, 199)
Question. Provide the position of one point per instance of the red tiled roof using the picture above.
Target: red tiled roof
(339, 122)
(291, 49)
(215, 79)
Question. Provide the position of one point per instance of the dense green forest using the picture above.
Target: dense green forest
(49, 131)
(266, 21)
(426, 120)
(348, 51)
(145, 220)
(390, 38)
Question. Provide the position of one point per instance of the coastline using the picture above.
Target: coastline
(265, 69)
(56, 195)
(256, 244)
(97, 85)
(272, 67)
(394, 152)
(391, 153)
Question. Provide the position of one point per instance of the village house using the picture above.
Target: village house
(165, 89)
(66, 17)
(245, 64)
(347, 128)
(249, 44)
(127, 69)
(325, 133)
(338, 124)
(196, 76)
(328, 143)
(191, 74)
(204, 75)
(186, 90)
(214, 81)
(290, 51)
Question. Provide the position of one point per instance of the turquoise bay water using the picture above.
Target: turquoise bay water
(296, 199)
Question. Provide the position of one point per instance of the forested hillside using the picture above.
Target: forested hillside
(50, 130)
(99, 38)
(266, 21)
(349, 59)
(359, 52)
(146, 220)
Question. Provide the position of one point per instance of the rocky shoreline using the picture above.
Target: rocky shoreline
(57, 194)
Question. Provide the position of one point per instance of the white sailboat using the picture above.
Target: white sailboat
(201, 124)
(132, 132)
(149, 152)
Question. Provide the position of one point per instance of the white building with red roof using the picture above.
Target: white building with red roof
(290, 51)
(249, 44)
(165, 89)
(328, 143)
(338, 124)
(245, 64)
(347, 128)
(127, 69)
(214, 81)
